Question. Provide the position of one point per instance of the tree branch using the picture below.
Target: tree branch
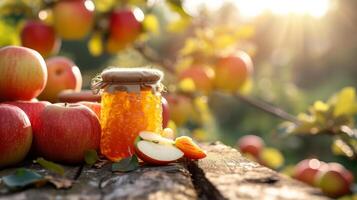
(153, 57)
(266, 107)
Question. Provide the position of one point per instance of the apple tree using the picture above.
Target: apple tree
(201, 55)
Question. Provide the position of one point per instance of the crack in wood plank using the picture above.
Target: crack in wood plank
(204, 188)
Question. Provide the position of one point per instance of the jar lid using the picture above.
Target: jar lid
(128, 79)
(132, 76)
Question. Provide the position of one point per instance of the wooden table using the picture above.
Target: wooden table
(223, 174)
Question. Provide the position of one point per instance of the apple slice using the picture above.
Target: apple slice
(156, 153)
(154, 137)
(190, 148)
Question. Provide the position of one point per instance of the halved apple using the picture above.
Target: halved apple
(154, 137)
(157, 153)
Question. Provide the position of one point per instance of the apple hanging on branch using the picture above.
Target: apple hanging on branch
(124, 28)
(41, 37)
(73, 20)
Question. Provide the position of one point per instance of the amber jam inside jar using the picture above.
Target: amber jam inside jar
(131, 102)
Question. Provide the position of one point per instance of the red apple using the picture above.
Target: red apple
(202, 76)
(73, 20)
(66, 132)
(251, 144)
(15, 135)
(40, 37)
(181, 108)
(232, 71)
(165, 112)
(156, 150)
(23, 73)
(306, 170)
(32, 110)
(333, 182)
(124, 28)
(62, 74)
(70, 96)
(345, 172)
(94, 106)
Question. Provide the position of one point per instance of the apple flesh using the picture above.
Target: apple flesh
(23, 73)
(40, 37)
(73, 20)
(70, 96)
(251, 144)
(232, 71)
(32, 110)
(154, 137)
(15, 134)
(66, 132)
(157, 154)
(62, 74)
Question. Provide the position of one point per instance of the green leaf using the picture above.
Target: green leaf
(50, 166)
(22, 178)
(126, 164)
(176, 6)
(91, 157)
(95, 44)
(345, 102)
(320, 106)
(151, 24)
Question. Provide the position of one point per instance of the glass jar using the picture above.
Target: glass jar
(131, 102)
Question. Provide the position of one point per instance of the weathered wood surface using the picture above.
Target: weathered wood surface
(224, 174)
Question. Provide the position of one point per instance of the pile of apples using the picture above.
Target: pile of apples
(58, 132)
(332, 178)
(58, 22)
(63, 132)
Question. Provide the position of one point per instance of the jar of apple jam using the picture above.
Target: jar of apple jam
(131, 102)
